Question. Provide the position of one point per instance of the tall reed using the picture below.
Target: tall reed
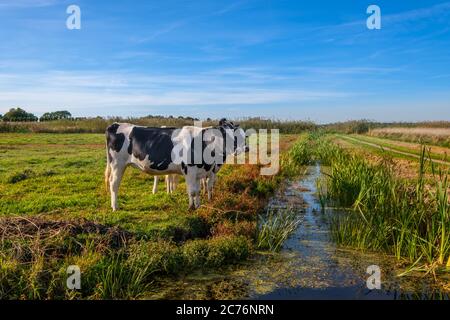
(274, 227)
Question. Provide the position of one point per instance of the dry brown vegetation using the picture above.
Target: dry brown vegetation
(434, 136)
(445, 132)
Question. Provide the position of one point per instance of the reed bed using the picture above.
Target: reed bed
(409, 219)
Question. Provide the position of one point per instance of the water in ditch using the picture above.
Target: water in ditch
(309, 266)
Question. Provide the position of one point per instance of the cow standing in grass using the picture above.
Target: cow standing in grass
(152, 151)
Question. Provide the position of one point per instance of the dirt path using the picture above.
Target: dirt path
(375, 145)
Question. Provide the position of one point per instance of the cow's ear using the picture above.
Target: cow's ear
(222, 121)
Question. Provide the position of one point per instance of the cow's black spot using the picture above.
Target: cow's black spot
(130, 146)
(217, 168)
(114, 140)
(156, 143)
(205, 166)
(184, 167)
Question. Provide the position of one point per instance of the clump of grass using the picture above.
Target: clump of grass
(301, 153)
(321, 194)
(263, 188)
(274, 228)
(20, 176)
(122, 279)
(311, 148)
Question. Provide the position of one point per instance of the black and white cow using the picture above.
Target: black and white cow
(151, 150)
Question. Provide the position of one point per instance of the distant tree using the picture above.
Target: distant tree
(57, 115)
(361, 127)
(46, 117)
(1, 117)
(19, 115)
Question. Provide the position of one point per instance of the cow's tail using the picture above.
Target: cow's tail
(108, 168)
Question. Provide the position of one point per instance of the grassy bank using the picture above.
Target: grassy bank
(407, 218)
(54, 212)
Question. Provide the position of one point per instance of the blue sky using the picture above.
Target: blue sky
(280, 59)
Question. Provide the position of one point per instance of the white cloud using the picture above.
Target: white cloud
(102, 91)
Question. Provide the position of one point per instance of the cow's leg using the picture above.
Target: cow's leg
(210, 185)
(175, 179)
(168, 184)
(204, 185)
(114, 182)
(193, 188)
(107, 175)
(172, 182)
(155, 184)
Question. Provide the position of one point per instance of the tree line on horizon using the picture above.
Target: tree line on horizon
(19, 120)
(20, 115)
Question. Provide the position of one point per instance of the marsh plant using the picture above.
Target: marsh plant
(275, 227)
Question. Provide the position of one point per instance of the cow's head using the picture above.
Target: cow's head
(235, 134)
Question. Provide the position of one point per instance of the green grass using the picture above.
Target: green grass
(55, 212)
(70, 175)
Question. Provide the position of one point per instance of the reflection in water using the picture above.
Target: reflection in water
(309, 266)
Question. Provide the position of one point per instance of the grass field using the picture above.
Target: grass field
(403, 144)
(405, 154)
(55, 212)
(441, 154)
(429, 135)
